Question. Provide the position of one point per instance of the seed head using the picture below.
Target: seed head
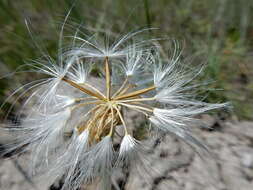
(72, 124)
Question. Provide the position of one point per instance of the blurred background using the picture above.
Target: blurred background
(218, 33)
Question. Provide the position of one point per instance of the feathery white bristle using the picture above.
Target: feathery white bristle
(79, 72)
(67, 164)
(92, 48)
(164, 73)
(72, 158)
(49, 132)
(102, 155)
(134, 62)
(180, 132)
(62, 102)
(176, 121)
(42, 134)
(182, 115)
(166, 125)
(176, 94)
(96, 162)
(128, 148)
(170, 116)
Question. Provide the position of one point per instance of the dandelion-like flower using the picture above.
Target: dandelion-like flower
(72, 124)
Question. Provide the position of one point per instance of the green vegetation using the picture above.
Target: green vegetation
(216, 32)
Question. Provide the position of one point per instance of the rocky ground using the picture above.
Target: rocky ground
(180, 169)
(171, 164)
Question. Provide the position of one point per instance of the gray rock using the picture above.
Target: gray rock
(12, 177)
(179, 168)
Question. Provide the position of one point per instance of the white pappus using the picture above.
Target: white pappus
(71, 124)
